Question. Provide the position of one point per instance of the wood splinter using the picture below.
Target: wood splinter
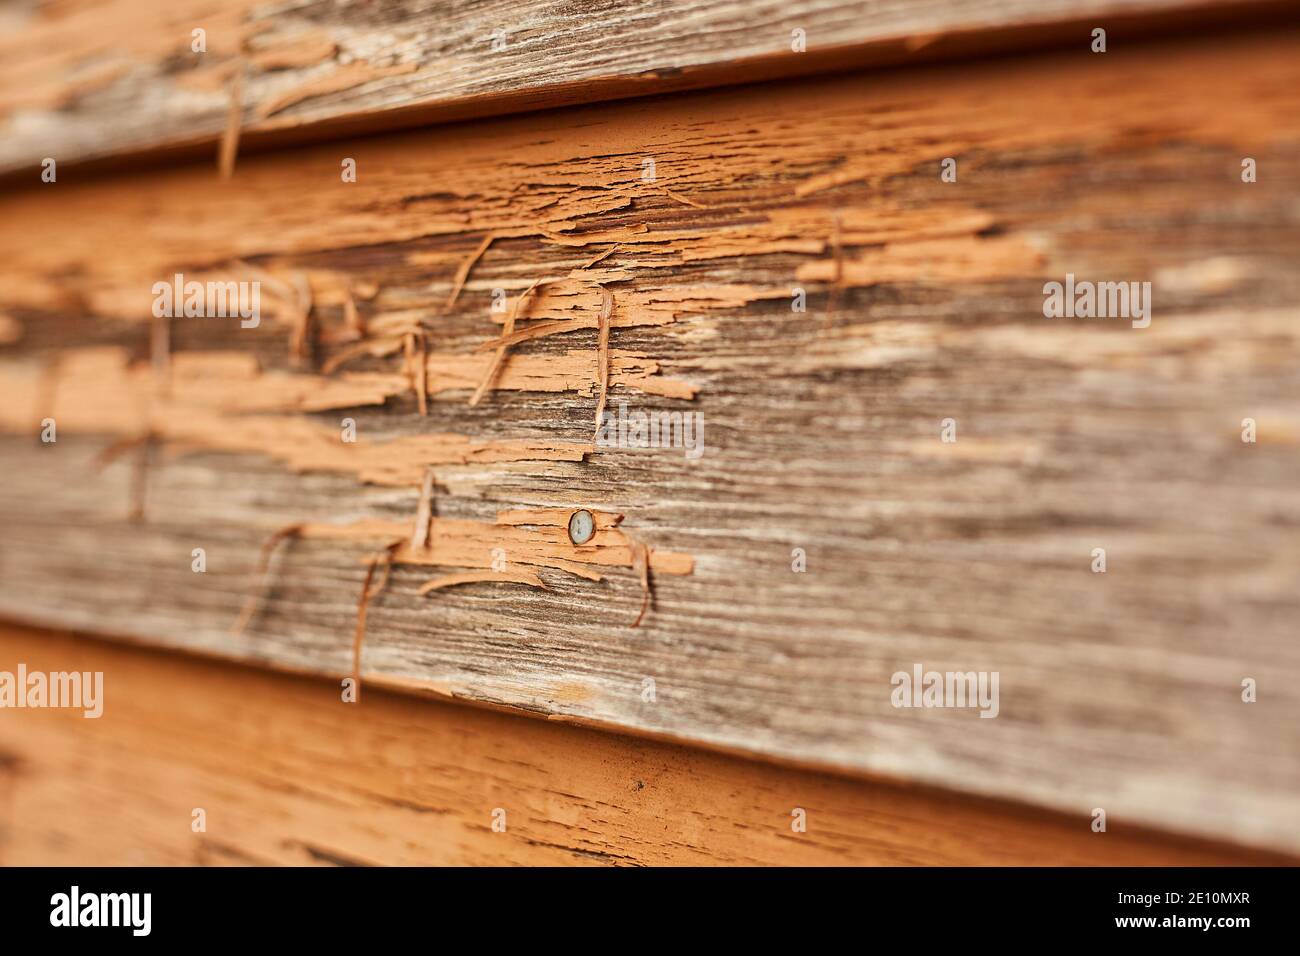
(297, 294)
(678, 197)
(523, 576)
(490, 375)
(423, 512)
(353, 321)
(462, 274)
(302, 329)
(140, 478)
(417, 364)
(602, 354)
(263, 568)
(600, 257)
(644, 551)
(508, 328)
(382, 559)
(234, 125)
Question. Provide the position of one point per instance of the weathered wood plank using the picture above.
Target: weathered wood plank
(108, 77)
(822, 429)
(285, 773)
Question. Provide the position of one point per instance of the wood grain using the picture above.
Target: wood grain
(119, 77)
(288, 774)
(1119, 690)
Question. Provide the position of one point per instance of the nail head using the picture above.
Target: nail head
(582, 525)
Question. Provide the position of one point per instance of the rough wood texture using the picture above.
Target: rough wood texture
(822, 429)
(288, 774)
(93, 79)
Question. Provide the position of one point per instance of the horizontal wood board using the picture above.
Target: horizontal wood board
(111, 78)
(286, 774)
(822, 428)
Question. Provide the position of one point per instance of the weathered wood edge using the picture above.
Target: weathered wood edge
(139, 118)
(573, 796)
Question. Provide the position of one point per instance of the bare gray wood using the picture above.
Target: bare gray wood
(1120, 691)
(120, 77)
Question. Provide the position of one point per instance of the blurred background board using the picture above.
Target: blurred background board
(287, 774)
(99, 78)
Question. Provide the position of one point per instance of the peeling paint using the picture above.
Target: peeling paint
(534, 537)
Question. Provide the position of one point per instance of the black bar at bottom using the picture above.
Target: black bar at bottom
(326, 906)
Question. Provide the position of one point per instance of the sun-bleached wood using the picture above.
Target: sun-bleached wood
(822, 428)
(120, 77)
